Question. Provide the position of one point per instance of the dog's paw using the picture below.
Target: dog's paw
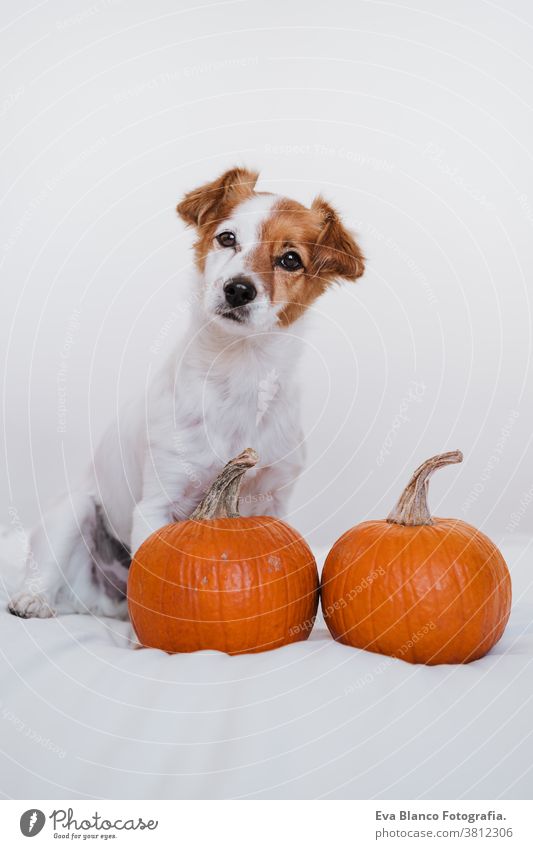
(30, 606)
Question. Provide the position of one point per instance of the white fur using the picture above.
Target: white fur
(227, 386)
(222, 264)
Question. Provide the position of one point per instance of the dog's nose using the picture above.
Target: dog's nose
(239, 291)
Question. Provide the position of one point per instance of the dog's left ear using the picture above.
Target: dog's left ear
(336, 253)
(212, 200)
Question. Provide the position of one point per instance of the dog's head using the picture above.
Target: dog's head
(264, 258)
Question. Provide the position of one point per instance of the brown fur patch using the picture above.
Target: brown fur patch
(209, 204)
(327, 250)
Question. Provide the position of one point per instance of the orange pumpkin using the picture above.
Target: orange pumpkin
(223, 581)
(417, 588)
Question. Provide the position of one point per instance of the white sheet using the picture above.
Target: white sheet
(82, 716)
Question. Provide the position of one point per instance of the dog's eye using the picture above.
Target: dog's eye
(291, 261)
(227, 239)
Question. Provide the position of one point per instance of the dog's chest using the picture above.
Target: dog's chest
(243, 402)
(248, 407)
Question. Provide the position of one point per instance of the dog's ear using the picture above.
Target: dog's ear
(210, 202)
(336, 253)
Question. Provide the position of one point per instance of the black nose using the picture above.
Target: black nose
(239, 291)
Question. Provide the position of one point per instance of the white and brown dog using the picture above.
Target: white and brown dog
(261, 260)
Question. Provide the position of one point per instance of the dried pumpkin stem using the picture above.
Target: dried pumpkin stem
(222, 499)
(413, 508)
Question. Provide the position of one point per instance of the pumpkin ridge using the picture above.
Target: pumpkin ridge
(456, 569)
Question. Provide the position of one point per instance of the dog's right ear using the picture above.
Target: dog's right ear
(213, 200)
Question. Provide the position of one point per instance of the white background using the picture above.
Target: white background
(413, 118)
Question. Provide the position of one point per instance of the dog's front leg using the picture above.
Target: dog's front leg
(148, 516)
(272, 490)
(169, 495)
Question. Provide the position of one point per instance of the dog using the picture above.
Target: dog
(261, 260)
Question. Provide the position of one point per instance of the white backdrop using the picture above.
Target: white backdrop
(414, 119)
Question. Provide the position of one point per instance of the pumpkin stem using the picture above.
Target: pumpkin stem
(413, 508)
(222, 498)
